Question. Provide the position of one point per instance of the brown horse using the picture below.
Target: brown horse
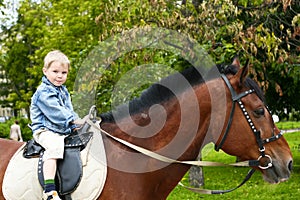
(177, 125)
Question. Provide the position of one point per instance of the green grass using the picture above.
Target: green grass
(255, 189)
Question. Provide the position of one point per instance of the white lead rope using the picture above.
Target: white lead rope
(163, 158)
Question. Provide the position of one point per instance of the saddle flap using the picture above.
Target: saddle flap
(69, 171)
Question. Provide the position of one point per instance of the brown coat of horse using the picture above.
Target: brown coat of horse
(134, 176)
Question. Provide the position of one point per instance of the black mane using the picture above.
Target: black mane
(158, 93)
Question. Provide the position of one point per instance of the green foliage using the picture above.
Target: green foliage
(226, 28)
(42, 27)
(4, 130)
(151, 59)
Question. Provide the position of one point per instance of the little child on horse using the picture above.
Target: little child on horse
(53, 117)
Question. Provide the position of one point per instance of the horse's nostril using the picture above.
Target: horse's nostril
(290, 165)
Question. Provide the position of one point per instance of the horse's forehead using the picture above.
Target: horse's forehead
(252, 101)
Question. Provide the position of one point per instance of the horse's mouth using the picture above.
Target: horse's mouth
(274, 179)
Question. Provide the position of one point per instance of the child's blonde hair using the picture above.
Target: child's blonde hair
(55, 55)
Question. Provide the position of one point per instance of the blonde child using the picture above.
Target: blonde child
(52, 116)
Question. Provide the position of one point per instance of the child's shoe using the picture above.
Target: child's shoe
(52, 195)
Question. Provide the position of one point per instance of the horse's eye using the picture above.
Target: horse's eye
(259, 112)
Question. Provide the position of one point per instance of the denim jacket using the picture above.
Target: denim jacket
(51, 109)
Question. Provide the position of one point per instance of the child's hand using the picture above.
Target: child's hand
(80, 121)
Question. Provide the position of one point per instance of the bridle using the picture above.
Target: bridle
(236, 99)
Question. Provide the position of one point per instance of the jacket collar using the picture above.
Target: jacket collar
(47, 82)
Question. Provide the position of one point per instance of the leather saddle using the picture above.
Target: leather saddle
(69, 169)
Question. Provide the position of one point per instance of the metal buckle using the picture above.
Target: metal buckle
(269, 164)
(93, 113)
(262, 150)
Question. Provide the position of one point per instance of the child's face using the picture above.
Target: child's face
(57, 73)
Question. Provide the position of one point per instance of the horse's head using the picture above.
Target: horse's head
(250, 133)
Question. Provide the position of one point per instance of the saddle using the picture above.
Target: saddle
(69, 169)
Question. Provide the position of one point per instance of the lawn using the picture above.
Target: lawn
(229, 177)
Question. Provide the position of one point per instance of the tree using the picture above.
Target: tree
(266, 32)
(19, 91)
(42, 27)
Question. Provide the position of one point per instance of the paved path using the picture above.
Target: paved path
(291, 130)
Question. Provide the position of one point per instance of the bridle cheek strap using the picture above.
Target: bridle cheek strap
(219, 146)
(235, 98)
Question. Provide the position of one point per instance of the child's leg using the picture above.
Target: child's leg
(54, 149)
(49, 169)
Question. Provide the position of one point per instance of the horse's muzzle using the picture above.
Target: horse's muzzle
(279, 172)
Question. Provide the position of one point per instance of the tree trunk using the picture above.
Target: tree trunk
(196, 177)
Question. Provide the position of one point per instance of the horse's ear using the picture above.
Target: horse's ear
(236, 63)
(242, 74)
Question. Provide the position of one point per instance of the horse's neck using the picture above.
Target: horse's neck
(219, 102)
(178, 136)
(176, 127)
(151, 129)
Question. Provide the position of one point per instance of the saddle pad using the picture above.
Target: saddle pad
(21, 182)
